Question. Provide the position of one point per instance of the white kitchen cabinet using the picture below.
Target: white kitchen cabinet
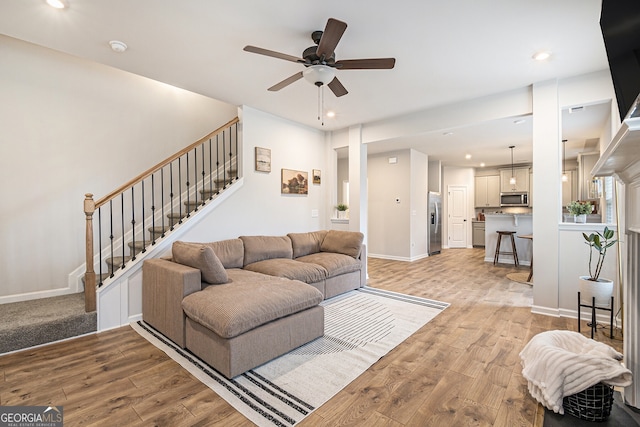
(487, 190)
(522, 180)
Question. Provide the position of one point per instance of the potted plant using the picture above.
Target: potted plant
(579, 210)
(342, 209)
(592, 285)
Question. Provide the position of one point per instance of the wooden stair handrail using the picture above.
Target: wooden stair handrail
(163, 163)
(90, 207)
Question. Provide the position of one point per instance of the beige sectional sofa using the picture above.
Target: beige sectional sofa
(239, 303)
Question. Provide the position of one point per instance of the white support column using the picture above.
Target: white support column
(547, 185)
(358, 202)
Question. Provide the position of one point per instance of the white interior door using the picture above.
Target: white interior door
(457, 216)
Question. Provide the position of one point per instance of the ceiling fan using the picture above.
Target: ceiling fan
(320, 61)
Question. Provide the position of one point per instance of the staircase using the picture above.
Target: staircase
(126, 224)
(129, 221)
(159, 231)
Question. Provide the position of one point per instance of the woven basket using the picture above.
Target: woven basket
(591, 404)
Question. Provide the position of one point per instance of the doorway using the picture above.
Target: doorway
(457, 207)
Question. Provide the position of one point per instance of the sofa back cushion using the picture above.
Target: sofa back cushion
(200, 256)
(230, 252)
(343, 242)
(306, 243)
(259, 248)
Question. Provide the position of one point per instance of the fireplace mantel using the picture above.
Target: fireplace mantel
(622, 160)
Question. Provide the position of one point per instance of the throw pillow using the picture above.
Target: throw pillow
(201, 257)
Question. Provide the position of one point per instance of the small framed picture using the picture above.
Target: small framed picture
(294, 182)
(317, 176)
(263, 159)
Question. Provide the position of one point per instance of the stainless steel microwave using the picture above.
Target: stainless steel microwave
(514, 199)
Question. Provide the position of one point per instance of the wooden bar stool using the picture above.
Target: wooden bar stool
(513, 252)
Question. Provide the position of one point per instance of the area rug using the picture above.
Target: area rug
(361, 326)
(519, 277)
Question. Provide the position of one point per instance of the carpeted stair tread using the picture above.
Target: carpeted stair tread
(28, 323)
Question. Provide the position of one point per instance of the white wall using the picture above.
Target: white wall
(389, 230)
(259, 208)
(70, 127)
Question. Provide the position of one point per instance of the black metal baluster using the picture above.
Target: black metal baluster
(144, 240)
(171, 194)
(210, 171)
(111, 234)
(133, 229)
(180, 189)
(100, 246)
(122, 229)
(188, 208)
(237, 166)
(195, 176)
(161, 202)
(230, 156)
(224, 158)
(203, 174)
(217, 164)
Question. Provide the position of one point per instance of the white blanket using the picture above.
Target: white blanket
(561, 363)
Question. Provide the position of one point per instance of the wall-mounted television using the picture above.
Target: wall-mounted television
(620, 25)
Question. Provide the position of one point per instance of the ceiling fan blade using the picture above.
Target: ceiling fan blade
(330, 37)
(271, 53)
(286, 82)
(337, 88)
(366, 64)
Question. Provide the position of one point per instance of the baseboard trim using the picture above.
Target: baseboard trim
(397, 258)
(36, 295)
(602, 317)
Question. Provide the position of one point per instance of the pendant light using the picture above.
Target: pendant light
(512, 181)
(565, 178)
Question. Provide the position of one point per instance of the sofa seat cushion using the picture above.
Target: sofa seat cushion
(335, 264)
(291, 269)
(248, 301)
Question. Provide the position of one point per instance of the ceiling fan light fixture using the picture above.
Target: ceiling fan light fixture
(319, 75)
(58, 4)
(118, 46)
(543, 55)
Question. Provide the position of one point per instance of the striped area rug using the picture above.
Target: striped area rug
(360, 327)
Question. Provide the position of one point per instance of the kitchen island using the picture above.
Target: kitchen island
(522, 224)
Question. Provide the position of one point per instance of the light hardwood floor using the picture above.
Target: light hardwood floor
(460, 369)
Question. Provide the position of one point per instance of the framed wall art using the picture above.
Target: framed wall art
(294, 182)
(263, 159)
(317, 176)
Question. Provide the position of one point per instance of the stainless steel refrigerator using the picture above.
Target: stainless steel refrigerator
(434, 203)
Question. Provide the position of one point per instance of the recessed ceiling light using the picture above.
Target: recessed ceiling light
(58, 4)
(118, 46)
(518, 122)
(482, 165)
(467, 156)
(542, 55)
(331, 113)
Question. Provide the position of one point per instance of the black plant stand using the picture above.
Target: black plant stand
(593, 308)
